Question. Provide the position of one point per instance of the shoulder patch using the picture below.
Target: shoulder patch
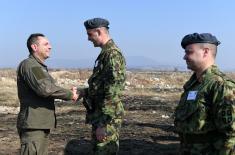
(39, 73)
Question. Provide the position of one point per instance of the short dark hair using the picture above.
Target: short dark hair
(32, 40)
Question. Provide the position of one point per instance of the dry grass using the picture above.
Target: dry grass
(151, 79)
(71, 74)
(8, 92)
(137, 83)
(231, 75)
(149, 100)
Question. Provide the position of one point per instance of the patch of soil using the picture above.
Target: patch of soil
(147, 129)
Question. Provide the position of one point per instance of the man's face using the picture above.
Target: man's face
(93, 36)
(42, 48)
(194, 56)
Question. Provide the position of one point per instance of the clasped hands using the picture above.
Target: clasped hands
(76, 95)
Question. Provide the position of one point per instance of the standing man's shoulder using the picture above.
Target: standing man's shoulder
(111, 46)
(31, 68)
(221, 82)
(28, 63)
(221, 77)
(113, 51)
(114, 46)
(214, 75)
(25, 65)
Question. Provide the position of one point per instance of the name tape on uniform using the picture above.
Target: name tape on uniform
(192, 95)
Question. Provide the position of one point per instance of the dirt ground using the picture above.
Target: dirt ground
(147, 128)
(149, 100)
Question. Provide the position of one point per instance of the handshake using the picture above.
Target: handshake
(77, 95)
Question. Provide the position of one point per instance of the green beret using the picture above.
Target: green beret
(199, 38)
(96, 23)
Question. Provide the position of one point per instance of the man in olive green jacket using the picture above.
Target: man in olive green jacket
(36, 92)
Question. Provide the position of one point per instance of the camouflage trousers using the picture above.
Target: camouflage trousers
(34, 142)
(111, 145)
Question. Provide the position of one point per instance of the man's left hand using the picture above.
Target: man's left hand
(101, 134)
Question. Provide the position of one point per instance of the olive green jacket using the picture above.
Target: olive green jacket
(36, 92)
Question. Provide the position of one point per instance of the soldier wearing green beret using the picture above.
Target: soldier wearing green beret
(36, 92)
(205, 115)
(102, 98)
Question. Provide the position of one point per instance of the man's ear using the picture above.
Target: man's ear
(34, 47)
(99, 31)
(206, 52)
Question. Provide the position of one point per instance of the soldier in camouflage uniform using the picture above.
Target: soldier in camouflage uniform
(102, 98)
(204, 117)
(36, 92)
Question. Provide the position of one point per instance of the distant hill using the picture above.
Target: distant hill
(139, 62)
(133, 62)
(70, 63)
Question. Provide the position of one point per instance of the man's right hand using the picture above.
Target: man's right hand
(75, 95)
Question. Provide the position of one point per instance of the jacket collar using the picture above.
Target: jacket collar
(37, 59)
(193, 79)
(107, 45)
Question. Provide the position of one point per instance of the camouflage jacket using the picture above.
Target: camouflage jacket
(36, 92)
(105, 86)
(207, 106)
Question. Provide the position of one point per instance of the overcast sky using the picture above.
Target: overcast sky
(150, 28)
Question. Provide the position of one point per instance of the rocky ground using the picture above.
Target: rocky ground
(147, 129)
(149, 100)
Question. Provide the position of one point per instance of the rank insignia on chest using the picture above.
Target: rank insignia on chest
(192, 95)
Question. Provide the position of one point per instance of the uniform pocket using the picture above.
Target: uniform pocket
(192, 116)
